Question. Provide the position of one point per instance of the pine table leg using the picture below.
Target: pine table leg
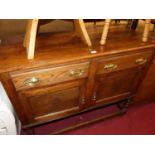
(31, 31)
(30, 37)
(146, 30)
(81, 31)
(105, 31)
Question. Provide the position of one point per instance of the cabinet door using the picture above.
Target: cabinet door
(115, 86)
(53, 102)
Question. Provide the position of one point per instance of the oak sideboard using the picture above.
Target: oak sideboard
(66, 77)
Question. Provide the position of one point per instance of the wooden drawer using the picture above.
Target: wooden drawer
(123, 62)
(49, 76)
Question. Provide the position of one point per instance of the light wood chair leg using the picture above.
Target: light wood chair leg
(30, 37)
(146, 30)
(105, 31)
(27, 33)
(81, 31)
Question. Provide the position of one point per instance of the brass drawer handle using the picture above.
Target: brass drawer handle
(141, 61)
(31, 81)
(76, 73)
(110, 67)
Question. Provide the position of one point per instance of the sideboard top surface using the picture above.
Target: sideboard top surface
(52, 49)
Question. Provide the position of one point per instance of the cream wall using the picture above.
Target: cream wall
(17, 26)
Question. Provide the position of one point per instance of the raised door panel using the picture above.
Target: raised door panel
(53, 102)
(115, 86)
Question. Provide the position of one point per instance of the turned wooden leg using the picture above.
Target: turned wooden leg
(30, 37)
(146, 30)
(123, 106)
(105, 31)
(81, 31)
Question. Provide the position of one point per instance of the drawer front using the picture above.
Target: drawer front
(123, 62)
(49, 76)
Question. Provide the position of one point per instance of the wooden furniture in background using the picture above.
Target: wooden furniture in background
(31, 31)
(146, 91)
(107, 25)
